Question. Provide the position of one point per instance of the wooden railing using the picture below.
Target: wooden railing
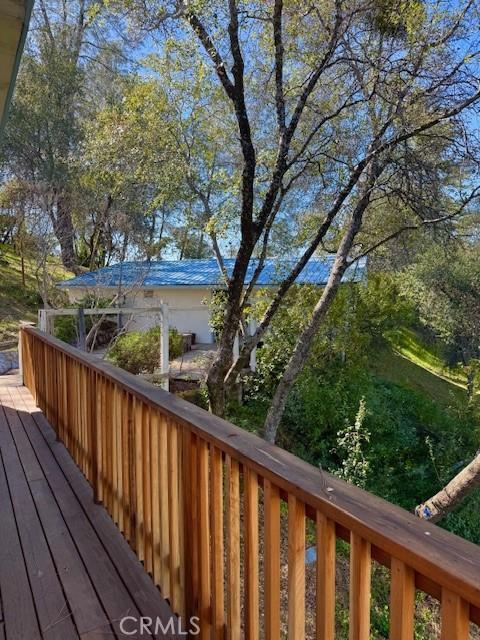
(206, 506)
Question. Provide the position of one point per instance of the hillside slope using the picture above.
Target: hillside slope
(19, 301)
(408, 361)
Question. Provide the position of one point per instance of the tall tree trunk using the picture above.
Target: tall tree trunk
(99, 232)
(470, 370)
(452, 494)
(63, 228)
(304, 342)
(302, 349)
(223, 360)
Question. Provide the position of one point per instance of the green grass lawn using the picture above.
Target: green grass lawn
(20, 301)
(408, 361)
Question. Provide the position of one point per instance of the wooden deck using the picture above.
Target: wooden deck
(65, 569)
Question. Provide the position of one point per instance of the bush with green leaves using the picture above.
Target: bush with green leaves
(66, 329)
(139, 351)
(414, 443)
(360, 316)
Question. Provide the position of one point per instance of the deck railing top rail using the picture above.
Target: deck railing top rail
(441, 561)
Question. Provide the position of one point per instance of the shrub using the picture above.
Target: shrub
(175, 343)
(66, 329)
(139, 351)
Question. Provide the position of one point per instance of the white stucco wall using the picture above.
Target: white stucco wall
(188, 308)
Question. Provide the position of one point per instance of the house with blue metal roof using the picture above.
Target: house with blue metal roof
(186, 286)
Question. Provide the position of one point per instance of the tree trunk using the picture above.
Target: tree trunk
(223, 361)
(301, 351)
(304, 342)
(452, 494)
(63, 228)
(470, 370)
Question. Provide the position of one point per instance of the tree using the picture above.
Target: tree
(328, 106)
(129, 162)
(444, 285)
(44, 131)
(450, 496)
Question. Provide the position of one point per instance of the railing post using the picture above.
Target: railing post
(21, 353)
(164, 355)
(42, 320)
(93, 402)
(82, 339)
(46, 321)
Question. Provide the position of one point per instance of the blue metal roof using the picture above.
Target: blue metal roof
(205, 273)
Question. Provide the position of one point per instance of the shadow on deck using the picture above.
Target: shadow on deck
(65, 569)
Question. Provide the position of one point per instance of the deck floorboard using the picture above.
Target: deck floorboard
(66, 571)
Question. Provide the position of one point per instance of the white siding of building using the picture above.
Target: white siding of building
(188, 308)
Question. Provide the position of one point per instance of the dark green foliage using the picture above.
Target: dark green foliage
(415, 445)
(195, 396)
(66, 329)
(139, 351)
(217, 312)
(397, 18)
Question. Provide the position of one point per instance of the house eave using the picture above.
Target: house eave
(14, 21)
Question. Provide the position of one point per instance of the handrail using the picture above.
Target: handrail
(204, 459)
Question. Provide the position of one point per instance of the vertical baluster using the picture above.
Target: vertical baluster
(85, 420)
(120, 455)
(132, 478)
(204, 538)
(233, 549)
(325, 615)
(97, 398)
(455, 616)
(53, 373)
(41, 376)
(109, 423)
(402, 601)
(164, 539)
(46, 383)
(126, 418)
(89, 400)
(252, 626)
(216, 511)
(195, 557)
(76, 409)
(296, 568)
(69, 442)
(80, 420)
(100, 443)
(140, 524)
(61, 405)
(360, 578)
(63, 431)
(147, 493)
(188, 521)
(174, 516)
(181, 609)
(104, 435)
(155, 480)
(114, 452)
(272, 561)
